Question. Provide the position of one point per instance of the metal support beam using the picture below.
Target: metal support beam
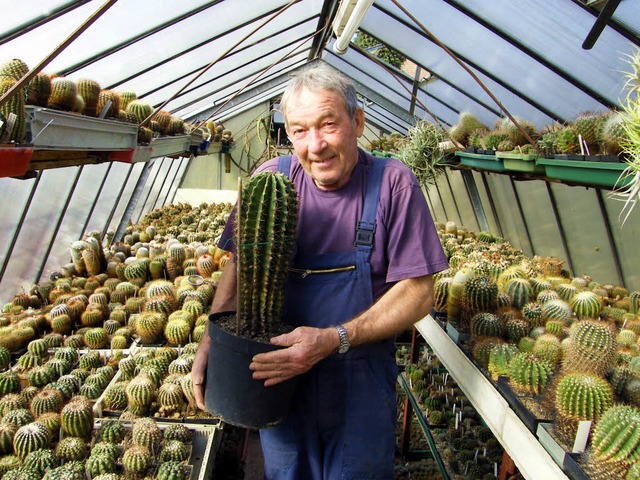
(181, 177)
(446, 215)
(492, 204)
(563, 237)
(95, 201)
(522, 216)
(612, 243)
(45, 257)
(175, 175)
(453, 197)
(474, 196)
(117, 202)
(25, 210)
(146, 199)
(164, 180)
(133, 201)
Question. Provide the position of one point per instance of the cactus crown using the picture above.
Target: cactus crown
(265, 241)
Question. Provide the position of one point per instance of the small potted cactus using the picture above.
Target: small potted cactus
(265, 239)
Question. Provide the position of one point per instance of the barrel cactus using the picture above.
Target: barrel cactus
(529, 372)
(7, 432)
(112, 431)
(177, 431)
(16, 106)
(172, 470)
(266, 238)
(71, 448)
(77, 418)
(47, 400)
(591, 349)
(145, 431)
(616, 438)
(30, 437)
(174, 450)
(586, 304)
(98, 464)
(581, 396)
(41, 460)
(136, 459)
(499, 358)
(480, 295)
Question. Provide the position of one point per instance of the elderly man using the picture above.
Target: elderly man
(362, 273)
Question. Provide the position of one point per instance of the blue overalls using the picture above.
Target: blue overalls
(343, 418)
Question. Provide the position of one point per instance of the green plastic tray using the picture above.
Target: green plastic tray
(520, 162)
(599, 174)
(485, 162)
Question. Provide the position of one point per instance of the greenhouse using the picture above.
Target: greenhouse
(137, 147)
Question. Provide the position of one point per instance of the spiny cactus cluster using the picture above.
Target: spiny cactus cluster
(86, 96)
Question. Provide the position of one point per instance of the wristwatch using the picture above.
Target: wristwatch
(344, 339)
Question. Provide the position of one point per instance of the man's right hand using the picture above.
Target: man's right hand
(199, 371)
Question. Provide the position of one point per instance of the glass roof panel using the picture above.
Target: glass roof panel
(628, 15)
(24, 12)
(558, 96)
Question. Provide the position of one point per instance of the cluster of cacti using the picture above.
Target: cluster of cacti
(265, 241)
(87, 97)
(456, 426)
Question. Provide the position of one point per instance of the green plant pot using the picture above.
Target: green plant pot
(484, 162)
(597, 174)
(520, 162)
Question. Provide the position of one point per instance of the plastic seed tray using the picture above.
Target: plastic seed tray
(481, 161)
(170, 146)
(49, 129)
(520, 162)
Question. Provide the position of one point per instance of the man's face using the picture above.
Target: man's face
(324, 137)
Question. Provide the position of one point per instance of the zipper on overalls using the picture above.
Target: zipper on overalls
(304, 272)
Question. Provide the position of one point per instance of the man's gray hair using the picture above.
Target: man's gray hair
(321, 76)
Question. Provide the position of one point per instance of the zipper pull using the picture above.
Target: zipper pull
(306, 273)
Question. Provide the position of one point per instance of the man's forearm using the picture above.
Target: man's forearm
(225, 299)
(400, 307)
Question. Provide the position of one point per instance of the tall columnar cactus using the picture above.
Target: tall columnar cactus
(266, 238)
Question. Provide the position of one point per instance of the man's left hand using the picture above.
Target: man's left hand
(306, 346)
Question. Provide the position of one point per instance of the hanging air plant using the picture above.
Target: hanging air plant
(628, 185)
(422, 152)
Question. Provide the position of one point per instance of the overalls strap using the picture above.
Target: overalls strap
(367, 225)
(284, 164)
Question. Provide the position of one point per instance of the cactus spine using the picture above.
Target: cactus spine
(266, 238)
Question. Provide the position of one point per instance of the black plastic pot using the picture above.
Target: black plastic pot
(232, 394)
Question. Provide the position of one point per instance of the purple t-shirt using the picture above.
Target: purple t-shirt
(406, 244)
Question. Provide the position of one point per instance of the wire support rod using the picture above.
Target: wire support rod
(115, 205)
(453, 197)
(612, 244)
(462, 64)
(563, 237)
(95, 201)
(220, 57)
(260, 74)
(56, 230)
(522, 215)
(492, 204)
(56, 51)
(25, 211)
